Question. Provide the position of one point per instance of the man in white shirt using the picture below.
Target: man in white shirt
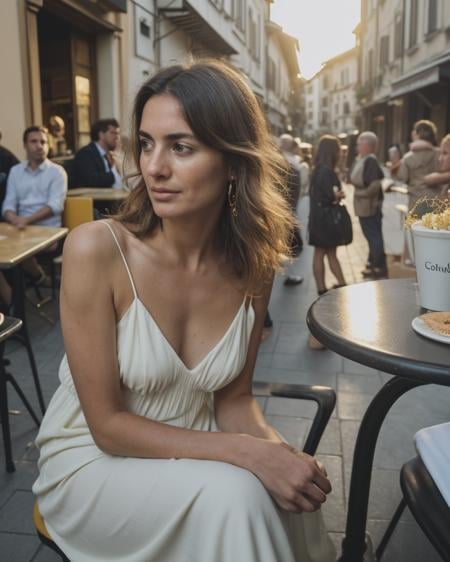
(35, 192)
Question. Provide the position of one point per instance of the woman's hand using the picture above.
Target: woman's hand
(339, 195)
(295, 480)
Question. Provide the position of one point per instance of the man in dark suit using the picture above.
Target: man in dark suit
(94, 165)
(7, 161)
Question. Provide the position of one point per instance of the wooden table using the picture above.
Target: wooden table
(15, 247)
(99, 193)
(370, 323)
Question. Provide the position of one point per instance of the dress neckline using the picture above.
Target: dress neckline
(138, 302)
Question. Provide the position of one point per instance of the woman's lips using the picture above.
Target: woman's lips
(163, 194)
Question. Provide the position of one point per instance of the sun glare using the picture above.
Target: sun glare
(323, 27)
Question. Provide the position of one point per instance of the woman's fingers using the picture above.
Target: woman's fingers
(322, 482)
(305, 503)
(321, 467)
(314, 493)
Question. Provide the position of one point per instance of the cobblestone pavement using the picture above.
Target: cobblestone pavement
(285, 358)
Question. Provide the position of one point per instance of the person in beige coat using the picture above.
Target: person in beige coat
(441, 180)
(421, 160)
(366, 178)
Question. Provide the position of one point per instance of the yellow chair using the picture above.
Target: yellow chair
(43, 534)
(77, 210)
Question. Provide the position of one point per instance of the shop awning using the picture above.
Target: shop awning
(424, 76)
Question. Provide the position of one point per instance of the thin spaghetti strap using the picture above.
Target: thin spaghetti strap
(123, 257)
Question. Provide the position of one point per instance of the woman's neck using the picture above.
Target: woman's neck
(190, 242)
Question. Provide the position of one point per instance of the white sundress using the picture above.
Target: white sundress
(99, 507)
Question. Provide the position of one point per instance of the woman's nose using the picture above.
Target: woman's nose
(157, 164)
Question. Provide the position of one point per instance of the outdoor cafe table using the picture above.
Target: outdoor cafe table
(370, 323)
(99, 193)
(15, 247)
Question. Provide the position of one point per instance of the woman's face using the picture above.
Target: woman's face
(184, 177)
(444, 157)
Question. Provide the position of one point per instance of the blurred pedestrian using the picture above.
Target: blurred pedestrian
(325, 192)
(287, 146)
(421, 160)
(366, 178)
(304, 152)
(394, 158)
(441, 180)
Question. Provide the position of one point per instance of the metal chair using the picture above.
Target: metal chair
(8, 327)
(427, 506)
(324, 396)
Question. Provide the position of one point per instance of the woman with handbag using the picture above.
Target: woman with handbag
(329, 224)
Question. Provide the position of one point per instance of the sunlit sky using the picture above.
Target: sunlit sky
(323, 27)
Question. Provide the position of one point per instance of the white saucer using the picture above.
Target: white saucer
(424, 330)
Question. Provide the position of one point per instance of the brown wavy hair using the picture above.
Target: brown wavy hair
(224, 114)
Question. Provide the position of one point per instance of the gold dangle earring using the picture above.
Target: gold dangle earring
(232, 197)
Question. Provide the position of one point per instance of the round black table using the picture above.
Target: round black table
(370, 323)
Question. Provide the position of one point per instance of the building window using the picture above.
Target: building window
(310, 115)
(239, 12)
(325, 82)
(325, 101)
(144, 28)
(398, 37)
(271, 74)
(370, 66)
(432, 16)
(253, 42)
(346, 108)
(413, 17)
(384, 50)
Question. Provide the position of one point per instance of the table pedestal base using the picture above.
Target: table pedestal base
(353, 545)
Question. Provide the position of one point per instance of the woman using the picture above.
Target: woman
(325, 191)
(153, 448)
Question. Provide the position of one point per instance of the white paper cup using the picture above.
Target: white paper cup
(432, 258)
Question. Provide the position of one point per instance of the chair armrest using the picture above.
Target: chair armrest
(324, 396)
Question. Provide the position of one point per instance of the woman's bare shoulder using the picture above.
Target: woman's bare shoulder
(91, 241)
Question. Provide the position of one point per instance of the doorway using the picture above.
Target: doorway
(67, 73)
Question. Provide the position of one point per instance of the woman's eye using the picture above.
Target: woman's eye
(145, 144)
(181, 148)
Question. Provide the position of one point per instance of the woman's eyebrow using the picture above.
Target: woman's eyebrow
(170, 136)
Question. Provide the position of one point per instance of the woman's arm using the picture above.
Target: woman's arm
(236, 409)
(437, 178)
(89, 327)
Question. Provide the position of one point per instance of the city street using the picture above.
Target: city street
(284, 358)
